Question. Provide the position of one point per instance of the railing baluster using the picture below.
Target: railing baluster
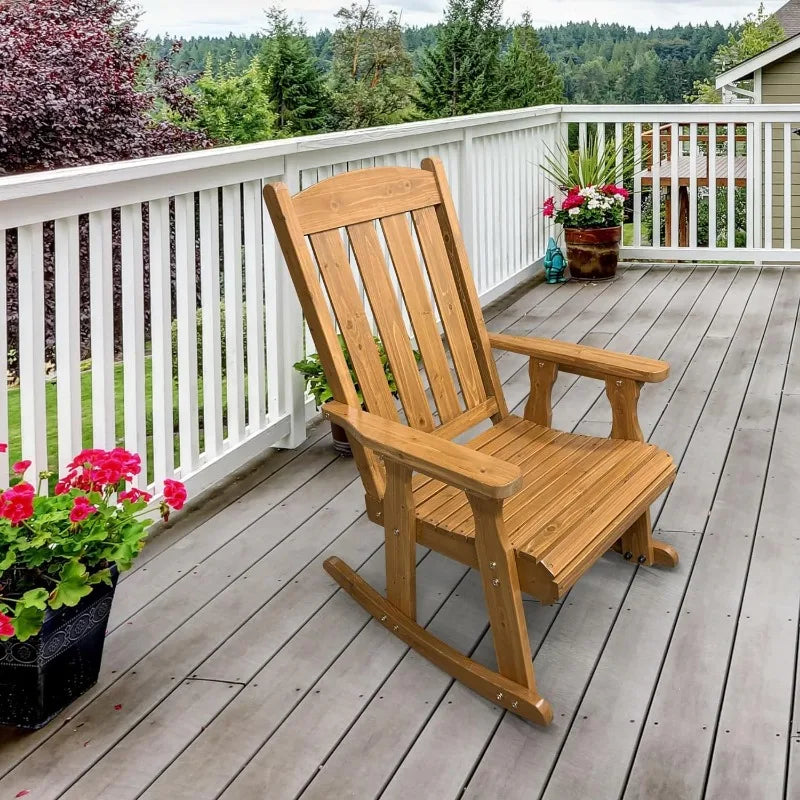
(712, 184)
(582, 137)
(30, 277)
(601, 137)
(161, 342)
(68, 340)
(656, 191)
(637, 184)
(731, 241)
(234, 356)
(768, 199)
(212, 334)
(618, 144)
(787, 185)
(254, 292)
(101, 297)
(674, 184)
(133, 356)
(186, 310)
(3, 357)
(693, 184)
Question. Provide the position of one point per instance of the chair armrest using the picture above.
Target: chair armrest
(582, 360)
(431, 455)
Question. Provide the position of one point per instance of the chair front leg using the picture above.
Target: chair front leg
(400, 531)
(637, 542)
(498, 567)
(539, 408)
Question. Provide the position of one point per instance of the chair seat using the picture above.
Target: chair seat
(580, 493)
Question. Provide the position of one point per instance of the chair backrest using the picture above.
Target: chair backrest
(399, 211)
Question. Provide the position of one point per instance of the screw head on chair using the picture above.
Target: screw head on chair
(495, 581)
(642, 559)
(628, 555)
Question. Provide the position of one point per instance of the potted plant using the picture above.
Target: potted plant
(591, 208)
(317, 386)
(60, 556)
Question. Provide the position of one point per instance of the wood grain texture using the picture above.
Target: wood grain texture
(363, 195)
(539, 408)
(431, 455)
(402, 250)
(386, 309)
(400, 545)
(590, 361)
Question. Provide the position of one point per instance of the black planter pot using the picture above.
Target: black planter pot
(42, 676)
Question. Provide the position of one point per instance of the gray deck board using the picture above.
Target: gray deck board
(243, 672)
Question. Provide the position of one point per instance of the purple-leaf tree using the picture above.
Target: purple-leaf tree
(76, 87)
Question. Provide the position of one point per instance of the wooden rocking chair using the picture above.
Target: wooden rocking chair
(532, 508)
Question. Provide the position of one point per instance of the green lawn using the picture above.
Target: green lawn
(14, 420)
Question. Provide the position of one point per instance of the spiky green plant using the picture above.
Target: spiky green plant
(592, 166)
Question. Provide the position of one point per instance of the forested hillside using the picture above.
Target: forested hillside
(599, 63)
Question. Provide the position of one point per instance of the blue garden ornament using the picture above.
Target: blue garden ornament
(554, 263)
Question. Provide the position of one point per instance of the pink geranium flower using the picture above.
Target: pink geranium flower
(174, 494)
(81, 509)
(6, 628)
(16, 503)
(21, 466)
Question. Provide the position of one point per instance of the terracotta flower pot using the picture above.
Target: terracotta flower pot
(593, 253)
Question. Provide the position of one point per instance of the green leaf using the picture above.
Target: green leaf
(35, 598)
(103, 576)
(72, 587)
(27, 622)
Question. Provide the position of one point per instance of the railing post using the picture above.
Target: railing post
(466, 192)
(287, 333)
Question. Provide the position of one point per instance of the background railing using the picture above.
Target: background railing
(145, 303)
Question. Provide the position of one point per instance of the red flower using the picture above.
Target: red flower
(16, 503)
(81, 509)
(3, 447)
(549, 208)
(135, 495)
(6, 628)
(174, 494)
(614, 189)
(573, 201)
(96, 470)
(21, 466)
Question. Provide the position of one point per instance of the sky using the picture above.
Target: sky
(219, 17)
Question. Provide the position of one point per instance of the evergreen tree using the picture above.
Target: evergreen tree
(290, 77)
(528, 76)
(461, 73)
(371, 79)
(232, 108)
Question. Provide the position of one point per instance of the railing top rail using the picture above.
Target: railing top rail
(29, 185)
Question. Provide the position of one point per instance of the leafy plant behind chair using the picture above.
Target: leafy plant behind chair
(317, 384)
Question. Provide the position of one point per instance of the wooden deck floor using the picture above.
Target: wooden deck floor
(234, 668)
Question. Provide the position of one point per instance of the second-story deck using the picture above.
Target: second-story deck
(234, 668)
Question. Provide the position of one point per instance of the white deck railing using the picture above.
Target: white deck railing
(192, 230)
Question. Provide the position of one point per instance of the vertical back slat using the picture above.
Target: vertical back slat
(345, 297)
(31, 348)
(448, 301)
(389, 318)
(234, 357)
(398, 237)
(460, 272)
(161, 342)
(68, 341)
(133, 335)
(212, 334)
(186, 309)
(101, 298)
